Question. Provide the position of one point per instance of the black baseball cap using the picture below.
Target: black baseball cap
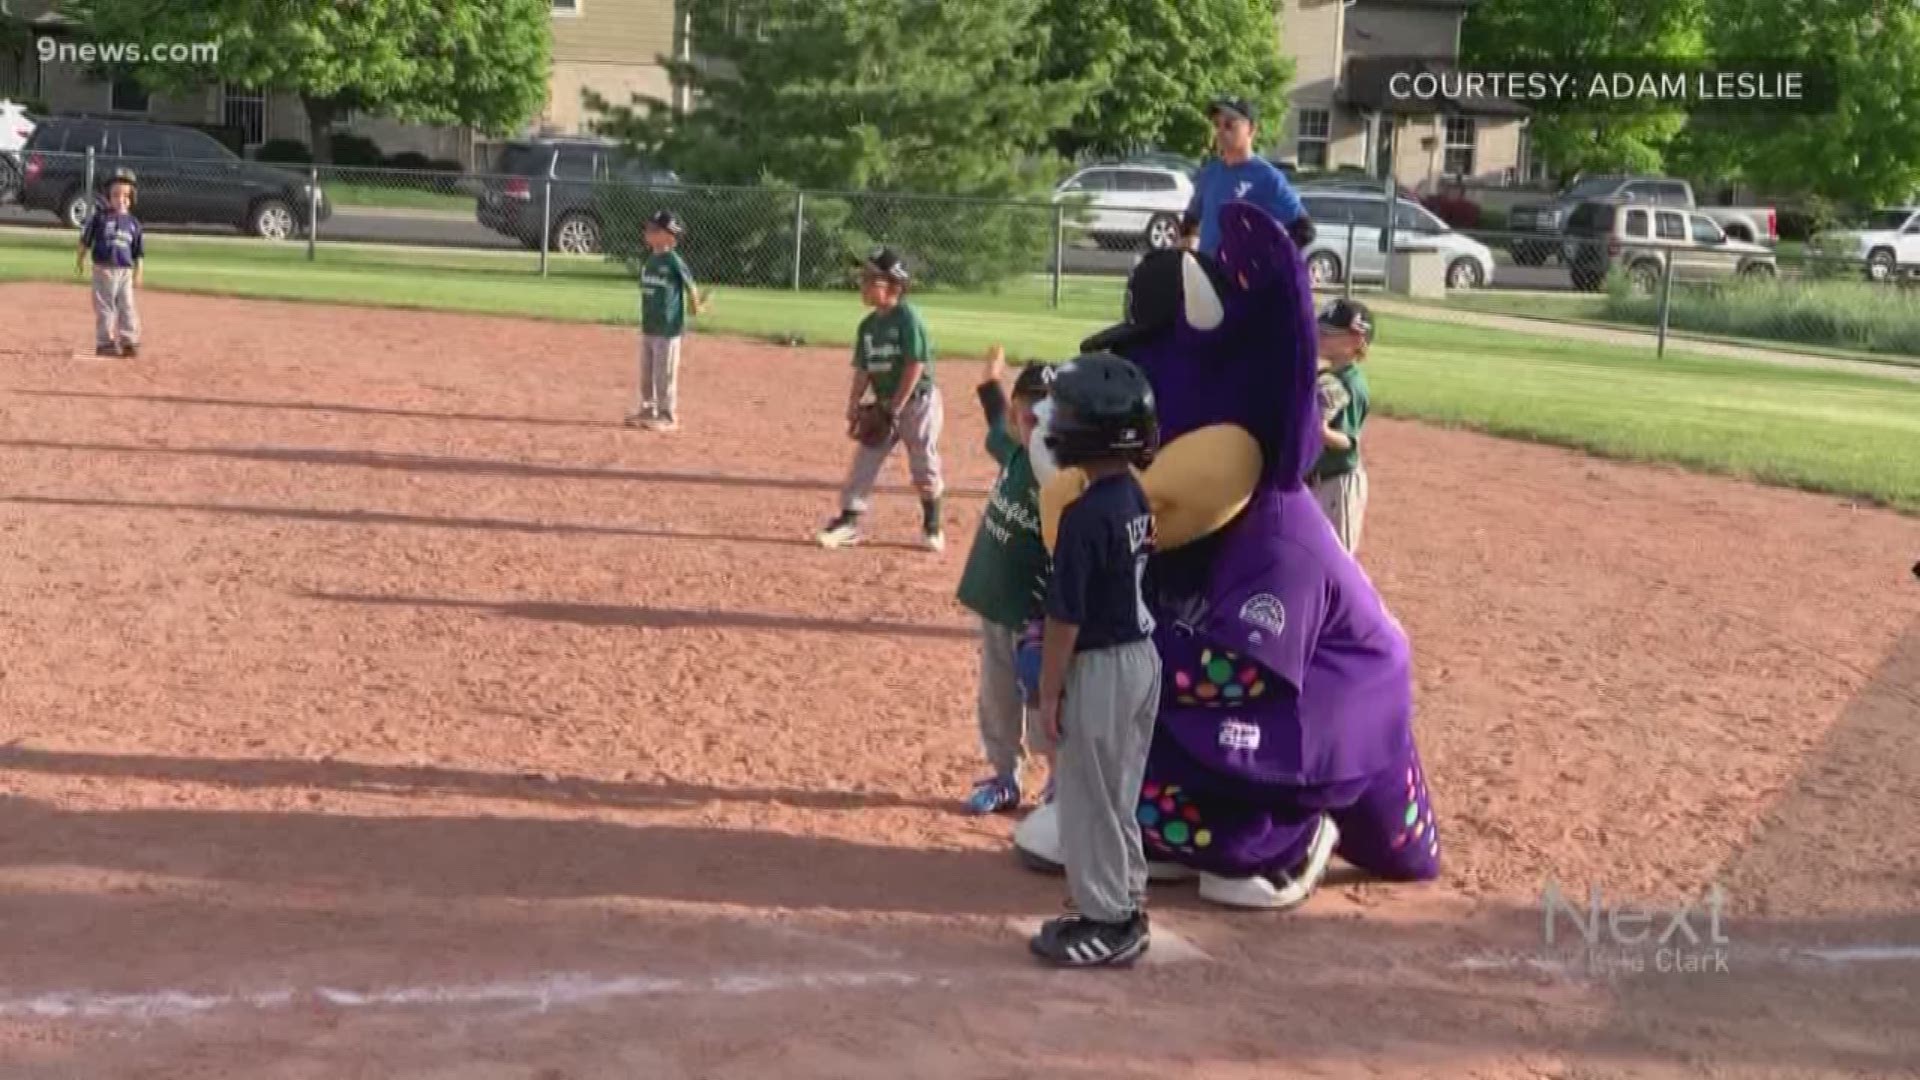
(1034, 381)
(1238, 106)
(1348, 315)
(883, 262)
(667, 221)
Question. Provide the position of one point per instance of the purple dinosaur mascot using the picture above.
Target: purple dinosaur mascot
(1285, 732)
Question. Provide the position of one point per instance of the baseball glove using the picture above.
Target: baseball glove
(872, 425)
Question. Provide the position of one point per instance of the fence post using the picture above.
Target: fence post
(799, 230)
(1059, 251)
(546, 223)
(1346, 268)
(1666, 304)
(90, 181)
(313, 209)
(1386, 232)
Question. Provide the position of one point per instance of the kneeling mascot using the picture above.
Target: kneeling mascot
(1284, 733)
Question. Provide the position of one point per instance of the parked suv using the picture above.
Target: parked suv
(185, 177)
(1126, 206)
(1759, 224)
(1639, 240)
(1337, 213)
(514, 195)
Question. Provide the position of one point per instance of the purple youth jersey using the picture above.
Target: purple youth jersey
(114, 239)
(1285, 595)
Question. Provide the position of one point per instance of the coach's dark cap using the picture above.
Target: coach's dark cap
(1348, 315)
(1237, 106)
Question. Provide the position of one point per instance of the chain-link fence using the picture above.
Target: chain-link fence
(1639, 267)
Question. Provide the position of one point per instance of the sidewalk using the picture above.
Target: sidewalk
(1639, 339)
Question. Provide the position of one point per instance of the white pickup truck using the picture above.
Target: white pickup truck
(1754, 224)
(1887, 244)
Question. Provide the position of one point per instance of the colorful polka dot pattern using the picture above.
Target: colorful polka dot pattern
(1169, 823)
(1222, 679)
(1417, 826)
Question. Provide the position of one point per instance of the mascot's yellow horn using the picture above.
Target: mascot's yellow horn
(1197, 484)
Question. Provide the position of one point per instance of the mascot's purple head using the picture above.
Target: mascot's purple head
(1229, 341)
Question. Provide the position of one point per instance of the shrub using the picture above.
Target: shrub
(1860, 315)
(1455, 209)
(356, 152)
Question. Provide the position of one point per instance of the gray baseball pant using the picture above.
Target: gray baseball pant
(659, 376)
(1004, 717)
(1344, 500)
(918, 425)
(1106, 729)
(115, 316)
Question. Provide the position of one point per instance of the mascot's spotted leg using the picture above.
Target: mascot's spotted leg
(1285, 728)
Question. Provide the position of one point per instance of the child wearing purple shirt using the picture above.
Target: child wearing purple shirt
(114, 238)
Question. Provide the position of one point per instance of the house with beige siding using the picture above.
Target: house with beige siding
(1341, 114)
(609, 46)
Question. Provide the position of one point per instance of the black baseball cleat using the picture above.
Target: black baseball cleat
(842, 531)
(1075, 941)
(129, 349)
(107, 350)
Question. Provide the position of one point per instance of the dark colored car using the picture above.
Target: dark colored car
(185, 176)
(513, 197)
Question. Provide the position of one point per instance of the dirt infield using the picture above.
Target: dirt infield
(374, 705)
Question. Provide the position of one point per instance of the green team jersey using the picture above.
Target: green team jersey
(890, 341)
(1005, 581)
(666, 283)
(1347, 422)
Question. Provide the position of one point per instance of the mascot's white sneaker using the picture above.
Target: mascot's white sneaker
(1280, 892)
(1036, 840)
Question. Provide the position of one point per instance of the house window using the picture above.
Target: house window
(567, 7)
(1461, 135)
(245, 110)
(128, 96)
(1313, 127)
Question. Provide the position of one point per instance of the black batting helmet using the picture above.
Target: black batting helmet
(1102, 408)
(667, 221)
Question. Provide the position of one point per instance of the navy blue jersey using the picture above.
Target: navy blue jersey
(1100, 564)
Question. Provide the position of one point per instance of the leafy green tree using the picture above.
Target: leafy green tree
(478, 62)
(926, 96)
(1153, 64)
(1865, 150)
(1582, 33)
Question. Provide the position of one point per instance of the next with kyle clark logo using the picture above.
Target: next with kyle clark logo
(1619, 936)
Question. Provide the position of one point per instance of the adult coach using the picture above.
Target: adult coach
(1238, 173)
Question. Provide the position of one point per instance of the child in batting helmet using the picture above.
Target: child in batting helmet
(1103, 409)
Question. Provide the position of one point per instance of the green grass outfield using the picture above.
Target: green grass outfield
(1827, 431)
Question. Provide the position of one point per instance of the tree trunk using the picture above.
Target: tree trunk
(320, 114)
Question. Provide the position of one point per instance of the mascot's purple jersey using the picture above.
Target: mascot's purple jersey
(1288, 687)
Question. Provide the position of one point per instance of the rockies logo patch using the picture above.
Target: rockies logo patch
(1266, 612)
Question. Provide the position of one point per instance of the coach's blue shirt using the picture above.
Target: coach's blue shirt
(1255, 180)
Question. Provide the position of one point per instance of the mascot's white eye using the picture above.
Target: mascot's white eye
(1044, 467)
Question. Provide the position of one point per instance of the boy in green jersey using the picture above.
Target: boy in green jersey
(1005, 583)
(667, 293)
(892, 358)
